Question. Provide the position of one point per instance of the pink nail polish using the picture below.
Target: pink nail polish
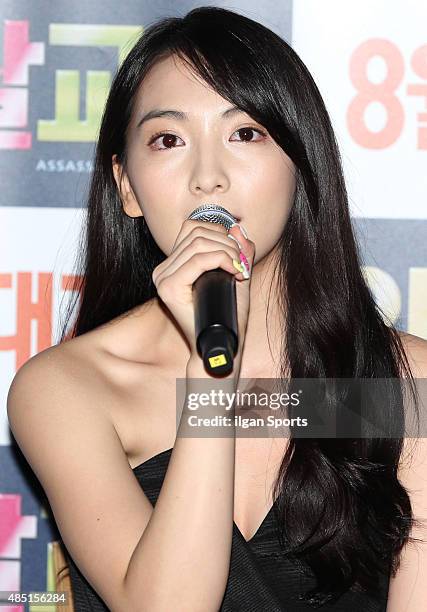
(244, 260)
(247, 271)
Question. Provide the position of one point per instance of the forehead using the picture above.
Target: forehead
(171, 82)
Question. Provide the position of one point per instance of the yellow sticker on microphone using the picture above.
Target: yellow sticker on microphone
(218, 360)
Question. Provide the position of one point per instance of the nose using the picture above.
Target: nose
(208, 175)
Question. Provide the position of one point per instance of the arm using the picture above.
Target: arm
(408, 589)
(182, 559)
(175, 556)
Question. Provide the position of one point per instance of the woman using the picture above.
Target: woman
(214, 108)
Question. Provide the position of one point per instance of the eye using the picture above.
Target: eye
(169, 140)
(247, 133)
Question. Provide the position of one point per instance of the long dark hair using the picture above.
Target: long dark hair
(347, 488)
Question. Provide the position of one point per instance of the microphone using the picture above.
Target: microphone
(215, 306)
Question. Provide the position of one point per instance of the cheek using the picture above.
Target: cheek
(277, 193)
(276, 189)
(281, 180)
(156, 197)
(150, 184)
(282, 186)
(161, 224)
(162, 228)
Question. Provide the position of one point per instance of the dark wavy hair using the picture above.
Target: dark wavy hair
(341, 505)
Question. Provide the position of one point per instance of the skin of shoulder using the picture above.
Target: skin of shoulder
(75, 452)
(408, 589)
(416, 350)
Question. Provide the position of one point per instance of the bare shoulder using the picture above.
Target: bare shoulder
(57, 414)
(69, 371)
(408, 588)
(105, 360)
(50, 371)
(60, 387)
(416, 351)
(124, 371)
(415, 449)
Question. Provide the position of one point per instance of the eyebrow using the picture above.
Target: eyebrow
(175, 114)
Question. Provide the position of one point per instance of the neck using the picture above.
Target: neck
(262, 350)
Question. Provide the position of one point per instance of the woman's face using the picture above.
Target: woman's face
(206, 155)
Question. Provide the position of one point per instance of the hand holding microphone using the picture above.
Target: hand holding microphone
(216, 305)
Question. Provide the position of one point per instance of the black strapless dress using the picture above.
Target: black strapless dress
(260, 578)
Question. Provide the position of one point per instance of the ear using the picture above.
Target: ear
(127, 196)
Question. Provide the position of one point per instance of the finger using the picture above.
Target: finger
(190, 229)
(199, 244)
(209, 233)
(186, 274)
(194, 238)
(247, 254)
(190, 225)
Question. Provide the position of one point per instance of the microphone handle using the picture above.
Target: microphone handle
(215, 310)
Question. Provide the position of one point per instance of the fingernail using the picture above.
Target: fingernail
(247, 271)
(243, 259)
(235, 240)
(240, 267)
(242, 229)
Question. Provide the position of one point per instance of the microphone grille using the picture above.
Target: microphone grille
(214, 214)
